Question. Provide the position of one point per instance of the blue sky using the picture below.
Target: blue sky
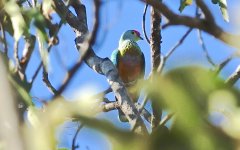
(118, 16)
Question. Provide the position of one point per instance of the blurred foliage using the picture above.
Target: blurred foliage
(192, 93)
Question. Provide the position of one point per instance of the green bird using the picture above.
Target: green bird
(130, 62)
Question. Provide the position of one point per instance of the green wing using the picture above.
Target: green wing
(115, 57)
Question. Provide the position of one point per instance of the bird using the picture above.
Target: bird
(130, 63)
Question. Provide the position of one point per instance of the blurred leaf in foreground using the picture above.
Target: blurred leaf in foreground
(186, 92)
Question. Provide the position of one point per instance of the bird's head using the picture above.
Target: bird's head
(132, 35)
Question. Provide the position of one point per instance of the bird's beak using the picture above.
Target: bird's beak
(140, 38)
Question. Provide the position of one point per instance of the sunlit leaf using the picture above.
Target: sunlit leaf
(33, 117)
(46, 6)
(223, 7)
(35, 16)
(43, 49)
(18, 23)
(186, 92)
(184, 3)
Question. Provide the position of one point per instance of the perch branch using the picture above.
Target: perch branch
(102, 66)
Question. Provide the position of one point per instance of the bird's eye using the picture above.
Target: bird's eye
(132, 32)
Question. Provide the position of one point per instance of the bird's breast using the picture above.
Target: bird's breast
(130, 68)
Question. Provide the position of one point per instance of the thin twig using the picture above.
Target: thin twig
(166, 118)
(48, 49)
(144, 23)
(207, 13)
(160, 68)
(201, 41)
(29, 3)
(178, 43)
(47, 82)
(74, 146)
(145, 100)
(223, 64)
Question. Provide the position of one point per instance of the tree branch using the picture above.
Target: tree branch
(155, 43)
(202, 24)
(209, 59)
(47, 82)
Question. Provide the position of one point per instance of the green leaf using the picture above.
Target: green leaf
(183, 4)
(223, 7)
(187, 92)
(38, 21)
(18, 23)
(46, 6)
(42, 48)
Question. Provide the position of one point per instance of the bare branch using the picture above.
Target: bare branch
(166, 118)
(209, 59)
(47, 82)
